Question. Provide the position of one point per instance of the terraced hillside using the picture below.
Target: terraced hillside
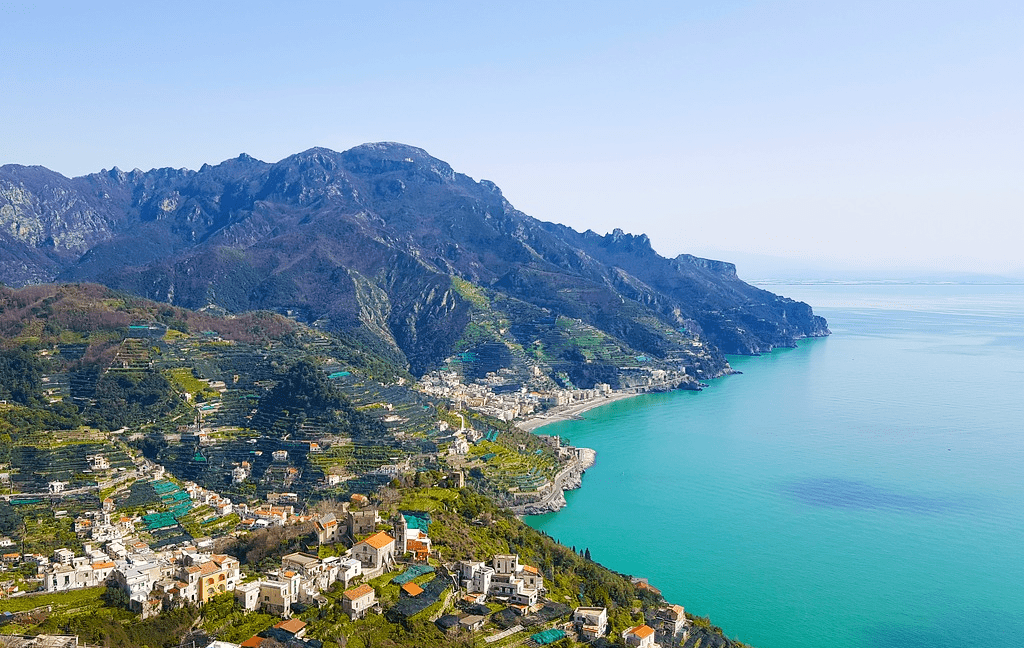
(206, 395)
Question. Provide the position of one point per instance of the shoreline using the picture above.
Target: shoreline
(571, 412)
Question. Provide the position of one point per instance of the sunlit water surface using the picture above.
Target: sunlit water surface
(863, 490)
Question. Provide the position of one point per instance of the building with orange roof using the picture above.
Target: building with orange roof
(532, 578)
(216, 576)
(252, 642)
(639, 636)
(356, 601)
(294, 627)
(375, 551)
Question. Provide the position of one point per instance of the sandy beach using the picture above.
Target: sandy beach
(567, 412)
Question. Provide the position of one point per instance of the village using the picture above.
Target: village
(358, 554)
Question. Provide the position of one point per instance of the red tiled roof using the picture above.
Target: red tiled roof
(209, 567)
(252, 642)
(379, 540)
(292, 625)
(357, 592)
(641, 631)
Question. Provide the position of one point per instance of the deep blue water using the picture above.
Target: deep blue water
(863, 490)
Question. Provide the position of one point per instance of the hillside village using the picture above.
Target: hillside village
(361, 562)
(250, 481)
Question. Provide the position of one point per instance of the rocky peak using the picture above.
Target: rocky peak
(720, 267)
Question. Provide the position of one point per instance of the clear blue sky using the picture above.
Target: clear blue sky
(882, 134)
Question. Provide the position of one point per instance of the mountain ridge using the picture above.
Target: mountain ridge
(368, 242)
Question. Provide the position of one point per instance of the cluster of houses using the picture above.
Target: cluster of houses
(505, 580)
(669, 627)
(148, 579)
(152, 579)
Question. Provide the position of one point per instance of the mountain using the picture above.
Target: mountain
(389, 246)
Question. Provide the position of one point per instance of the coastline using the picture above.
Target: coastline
(571, 412)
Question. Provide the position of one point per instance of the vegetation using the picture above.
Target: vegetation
(130, 398)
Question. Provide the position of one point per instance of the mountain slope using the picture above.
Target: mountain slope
(369, 243)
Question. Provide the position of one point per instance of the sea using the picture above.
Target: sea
(863, 490)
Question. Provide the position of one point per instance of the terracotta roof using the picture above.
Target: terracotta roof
(193, 569)
(412, 589)
(209, 567)
(530, 569)
(291, 625)
(357, 592)
(648, 587)
(252, 642)
(379, 540)
(641, 631)
(288, 574)
(102, 565)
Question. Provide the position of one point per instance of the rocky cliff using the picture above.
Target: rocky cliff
(391, 247)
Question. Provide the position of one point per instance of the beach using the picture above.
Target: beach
(570, 412)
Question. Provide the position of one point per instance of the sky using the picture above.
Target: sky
(883, 136)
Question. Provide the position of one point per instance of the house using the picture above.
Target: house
(63, 556)
(328, 529)
(247, 595)
(213, 580)
(532, 577)
(590, 622)
(669, 622)
(362, 521)
(276, 597)
(639, 636)
(506, 564)
(306, 564)
(294, 627)
(472, 622)
(347, 569)
(356, 601)
(524, 597)
(377, 550)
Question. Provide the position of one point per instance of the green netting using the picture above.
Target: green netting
(488, 456)
(548, 636)
(417, 521)
(158, 521)
(412, 572)
(181, 509)
(163, 486)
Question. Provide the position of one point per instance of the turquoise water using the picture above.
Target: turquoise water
(864, 490)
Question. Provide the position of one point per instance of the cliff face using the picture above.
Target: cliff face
(368, 243)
